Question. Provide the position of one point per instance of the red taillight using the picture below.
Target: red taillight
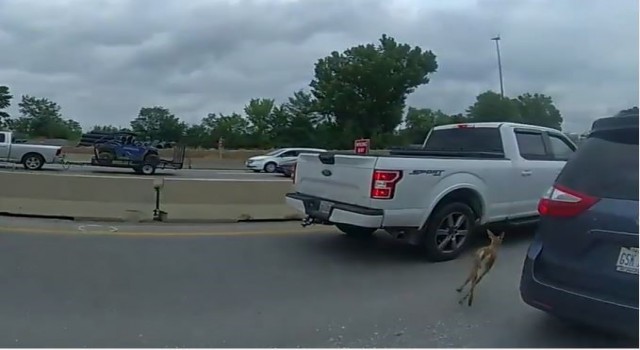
(383, 183)
(58, 151)
(560, 201)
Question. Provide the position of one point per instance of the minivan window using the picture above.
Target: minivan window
(605, 166)
(465, 140)
(531, 145)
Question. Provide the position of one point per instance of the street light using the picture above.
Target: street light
(497, 40)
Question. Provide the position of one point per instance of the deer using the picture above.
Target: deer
(482, 262)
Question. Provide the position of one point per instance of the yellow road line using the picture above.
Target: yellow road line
(71, 231)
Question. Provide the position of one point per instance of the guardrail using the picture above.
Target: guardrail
(107, 198)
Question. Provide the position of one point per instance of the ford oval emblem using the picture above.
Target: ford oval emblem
(326, 172)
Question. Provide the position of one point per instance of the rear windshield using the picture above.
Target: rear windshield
(605, 166)
(465, 140)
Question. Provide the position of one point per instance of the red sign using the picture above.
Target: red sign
(361, 146)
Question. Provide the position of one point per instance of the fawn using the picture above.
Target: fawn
(482, 263)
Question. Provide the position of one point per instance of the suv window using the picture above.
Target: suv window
(465, 140)
(605, 166)
(531, 145)
(560, 149)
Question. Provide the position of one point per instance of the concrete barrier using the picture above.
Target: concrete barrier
(80, 197)
(225, 200)
(128, 198)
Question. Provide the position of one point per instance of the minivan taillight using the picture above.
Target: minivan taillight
(383, 183)
(560, 201)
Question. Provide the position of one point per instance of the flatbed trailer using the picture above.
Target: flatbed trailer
(147, 167)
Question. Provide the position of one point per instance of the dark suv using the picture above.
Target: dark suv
(583, 262)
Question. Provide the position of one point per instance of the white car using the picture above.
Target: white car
(270, 161)
(465, 175)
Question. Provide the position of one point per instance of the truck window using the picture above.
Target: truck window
(605, 166)
(465, 140)
(531, 145)
(560, 149)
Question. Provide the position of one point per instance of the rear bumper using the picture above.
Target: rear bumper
(341, 213)
(621, 319)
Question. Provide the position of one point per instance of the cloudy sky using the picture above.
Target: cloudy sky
(101, 60)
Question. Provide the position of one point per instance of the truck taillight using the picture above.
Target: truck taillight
(559, 201)
(383, 183)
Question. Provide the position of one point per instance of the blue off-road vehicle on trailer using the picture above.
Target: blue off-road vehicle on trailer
(122, 150)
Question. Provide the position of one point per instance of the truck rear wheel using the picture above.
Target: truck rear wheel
(33, 161)
(356, 231)
(448, 232)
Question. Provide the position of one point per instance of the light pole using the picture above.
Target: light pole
(497, 40)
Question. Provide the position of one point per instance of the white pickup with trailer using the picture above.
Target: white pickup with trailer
(465, 175)
(32, 157)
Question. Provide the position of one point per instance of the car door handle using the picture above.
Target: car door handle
(526, 173)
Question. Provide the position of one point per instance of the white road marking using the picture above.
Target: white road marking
(97, 228)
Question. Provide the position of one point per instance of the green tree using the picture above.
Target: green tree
(303, 105)
(267, 120)
(303, 122)
(419, 121)
(158, 123)
(73, 129)
(538, 109)
(491, 107)
(105, 128)
(197, 135)
(234, 129)
(5, 102)
(41, 117)
(365, 87)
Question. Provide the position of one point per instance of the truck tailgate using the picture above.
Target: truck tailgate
(347, 180)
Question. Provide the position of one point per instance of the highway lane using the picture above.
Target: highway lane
(118, 172)
(255, 286)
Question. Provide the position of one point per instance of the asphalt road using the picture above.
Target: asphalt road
(256, 286)
(119, 172)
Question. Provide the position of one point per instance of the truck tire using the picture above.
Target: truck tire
(448, 231)
(33, 161)
(356, 231)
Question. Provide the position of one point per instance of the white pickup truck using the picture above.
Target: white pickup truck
(464, 176)
(32, 157)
